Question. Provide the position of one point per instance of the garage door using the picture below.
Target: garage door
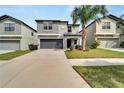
(51, 43)
(108, 43)
(9, 45)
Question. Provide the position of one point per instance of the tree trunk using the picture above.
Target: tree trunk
(83, 38)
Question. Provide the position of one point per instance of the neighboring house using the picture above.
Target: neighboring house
(57, 34)
(106, 32)
(15, 34)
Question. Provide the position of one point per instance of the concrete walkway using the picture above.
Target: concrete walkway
(115, 49)
(5, 51)
(40, 69)
(97, 61)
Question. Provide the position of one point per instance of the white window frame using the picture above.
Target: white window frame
(47, 25)
(106, 25)
(10, 28)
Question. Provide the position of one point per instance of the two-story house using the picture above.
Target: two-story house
(15, 34)
(106, 32)
(57, 34)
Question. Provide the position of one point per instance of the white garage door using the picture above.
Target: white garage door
(9, 44)
(108, 42)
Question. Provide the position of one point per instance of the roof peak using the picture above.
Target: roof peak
(7, 16)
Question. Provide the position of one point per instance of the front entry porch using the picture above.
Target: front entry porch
(71, 41)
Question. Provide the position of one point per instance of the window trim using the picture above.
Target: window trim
(9, 27)
(47, 27)
(106, 25)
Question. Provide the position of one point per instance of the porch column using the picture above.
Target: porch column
(38, 43)
(80, 41)
(72, 42)
(65, 43)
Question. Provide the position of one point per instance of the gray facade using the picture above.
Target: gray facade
(17, 39)
(58, 31)
(17, 27)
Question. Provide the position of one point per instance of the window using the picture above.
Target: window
(48, 26)
(9, 27)
(69, 28)
(32, 34)
(75, 42)
(106, 25)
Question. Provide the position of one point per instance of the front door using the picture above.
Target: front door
(68, 43)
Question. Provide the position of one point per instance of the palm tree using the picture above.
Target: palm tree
(86, 13)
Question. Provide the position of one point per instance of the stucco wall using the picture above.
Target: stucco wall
(27, 37)
(108, 31)
(17, 28)
(58, 28)
(90, 34)
(75, 29)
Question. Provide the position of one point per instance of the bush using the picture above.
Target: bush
(95, 44)
(79, 47)
(72, 48)
(122, 44)
(33, 47)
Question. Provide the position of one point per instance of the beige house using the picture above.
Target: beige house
(15, 34)
(106, 32)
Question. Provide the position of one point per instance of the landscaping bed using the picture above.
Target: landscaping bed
(102, 76)
(94, 53)
(11, 55)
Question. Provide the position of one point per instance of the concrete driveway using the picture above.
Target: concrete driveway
(40, 69)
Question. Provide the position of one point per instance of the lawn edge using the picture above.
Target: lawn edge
(15, 57)
(83, 77)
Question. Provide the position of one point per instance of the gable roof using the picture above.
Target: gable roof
(7, 16)
(109, 16)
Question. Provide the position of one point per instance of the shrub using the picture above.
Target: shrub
(72, 48)
(79, 47)
(33, 47)
(122, 44)
(95, 44)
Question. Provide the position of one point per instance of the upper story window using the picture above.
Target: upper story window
(48, 26)
(106, 25)
(9, 26)
(69, 29)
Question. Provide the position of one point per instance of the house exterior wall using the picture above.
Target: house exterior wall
(17, 28)
(63, 28)
(58, 28)
(112, 30)
(107, 37)
(90, 34)
(58, 31)
(27, 37)
(21, 33)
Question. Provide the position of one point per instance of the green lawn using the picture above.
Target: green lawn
(102, 76)
(11, 55)
(94, 53)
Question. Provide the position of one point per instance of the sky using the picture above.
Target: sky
(30, 13)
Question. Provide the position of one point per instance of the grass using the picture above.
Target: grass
(11, 55)
(102, 76)
(94, 53)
